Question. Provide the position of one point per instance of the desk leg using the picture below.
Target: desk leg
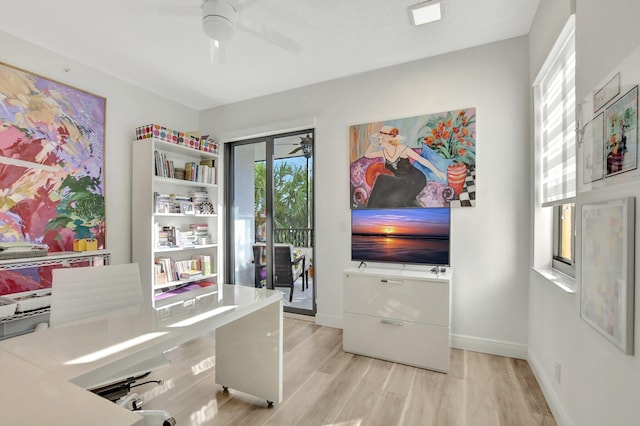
(249, 353)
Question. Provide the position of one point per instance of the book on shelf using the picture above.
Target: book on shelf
(164, 270)
(164, 166)
(191, 274)
(204, 263)
(201, 173)
(171, 237)
(188, 170)
(186, 238)
(201, 233)
(161, 277)
(210, 164)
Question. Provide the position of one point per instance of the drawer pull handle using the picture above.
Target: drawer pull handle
(396, 282)
(392, 322)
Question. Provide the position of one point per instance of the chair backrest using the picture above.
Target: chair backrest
(259, 254)
(84, 292)
(283, 268)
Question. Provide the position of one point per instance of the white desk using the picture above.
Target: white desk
(248, 349)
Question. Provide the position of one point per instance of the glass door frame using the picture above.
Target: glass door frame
(229, 191)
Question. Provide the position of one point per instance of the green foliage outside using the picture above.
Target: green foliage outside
(291, 187)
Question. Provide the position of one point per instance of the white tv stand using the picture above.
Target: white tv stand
(398, 315)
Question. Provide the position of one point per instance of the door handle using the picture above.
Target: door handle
(394, 282)
(392, 322)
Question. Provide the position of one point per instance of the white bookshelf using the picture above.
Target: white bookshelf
(146, 221)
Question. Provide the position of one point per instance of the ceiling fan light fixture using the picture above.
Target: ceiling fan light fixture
(217, 28)
(423, 13)
(218, 19)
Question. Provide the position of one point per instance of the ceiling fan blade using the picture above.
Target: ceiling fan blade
(172, 8)
(295, 150)
(242, 4)
(273, 37)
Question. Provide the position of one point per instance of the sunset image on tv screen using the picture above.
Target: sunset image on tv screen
(401, 235)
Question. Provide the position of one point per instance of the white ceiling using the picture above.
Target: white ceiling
(159, 44)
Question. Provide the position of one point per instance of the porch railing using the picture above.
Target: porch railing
(299, 237)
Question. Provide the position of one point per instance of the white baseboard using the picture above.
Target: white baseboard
(329, 320)
(489, 346)
(560, 415)
(299, 316)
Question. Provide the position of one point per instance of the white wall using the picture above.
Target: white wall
(599, 385)
(127, 108)
(490, 242)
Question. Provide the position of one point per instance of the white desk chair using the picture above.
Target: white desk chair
(83, 293)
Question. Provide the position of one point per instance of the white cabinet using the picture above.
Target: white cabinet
(193, 231)
(400, 316)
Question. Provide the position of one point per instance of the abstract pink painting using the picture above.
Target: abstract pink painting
(51, 168)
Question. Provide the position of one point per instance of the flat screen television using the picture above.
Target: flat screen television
(415, 236)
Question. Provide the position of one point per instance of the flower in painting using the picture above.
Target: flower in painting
(452, 136)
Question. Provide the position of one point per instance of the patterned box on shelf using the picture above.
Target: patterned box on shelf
(187, 140)
(157, 131)
(207, 145)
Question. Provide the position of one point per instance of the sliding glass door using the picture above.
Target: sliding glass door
(269, 202)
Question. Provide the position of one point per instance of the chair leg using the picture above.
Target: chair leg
(291, 294)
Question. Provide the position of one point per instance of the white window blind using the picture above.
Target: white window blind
(558, 129)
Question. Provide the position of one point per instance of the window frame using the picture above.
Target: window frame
(559, 262)
(556, 60)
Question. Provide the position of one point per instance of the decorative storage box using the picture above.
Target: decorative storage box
(7, 307)
(190, 141)
(85, 244)
(157, 131)
(209, 146)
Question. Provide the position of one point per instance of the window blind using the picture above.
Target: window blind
(558, 132)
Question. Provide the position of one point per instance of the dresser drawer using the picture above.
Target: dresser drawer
(419, 345)
(414, 300)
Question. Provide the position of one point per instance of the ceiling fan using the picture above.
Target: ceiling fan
(221, 19)
(218, 19)
(306, 143)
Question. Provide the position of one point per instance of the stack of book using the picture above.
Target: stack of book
(186, 238)
(198, 197)
(201, 233)
(166, 236)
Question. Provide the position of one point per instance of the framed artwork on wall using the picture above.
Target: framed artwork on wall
(593, 150)
(607, 92)
(421, 161)
(607, 271)
(613, 107)
(622, 134)
(51, 167)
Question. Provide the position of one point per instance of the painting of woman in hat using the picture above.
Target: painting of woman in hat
(401, 182)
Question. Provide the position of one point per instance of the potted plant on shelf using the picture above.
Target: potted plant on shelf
(452, 137)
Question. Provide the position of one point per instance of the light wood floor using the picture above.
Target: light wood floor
(325, 386)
